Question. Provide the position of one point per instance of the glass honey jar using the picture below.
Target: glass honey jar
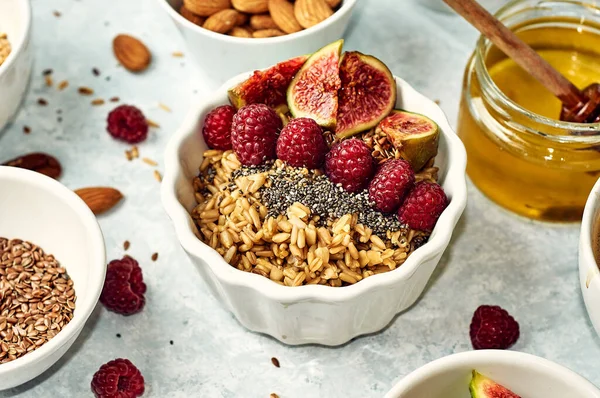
(520, 154)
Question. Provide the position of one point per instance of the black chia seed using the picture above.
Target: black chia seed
(324, 199)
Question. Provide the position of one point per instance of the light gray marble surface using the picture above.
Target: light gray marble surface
(495, 258)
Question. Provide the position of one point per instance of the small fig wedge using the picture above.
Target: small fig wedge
(482, 387)
(313, 93)
(367, 95)
(268, 86)
(415, 136)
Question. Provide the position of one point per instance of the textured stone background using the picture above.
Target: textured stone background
(495, 258)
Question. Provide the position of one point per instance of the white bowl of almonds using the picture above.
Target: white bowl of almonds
(228, 37)
(52, 268)
(15, 56)
(316, 221)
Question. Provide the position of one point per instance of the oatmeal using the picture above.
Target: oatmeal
(4, 47)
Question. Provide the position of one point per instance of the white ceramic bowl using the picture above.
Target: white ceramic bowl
(311, 314)
(589, 273)
(220, 56)
(36, 208)
(526, 375)
(15, 20)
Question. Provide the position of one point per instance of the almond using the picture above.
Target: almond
(241, 31)
(260, 34)
(190, 16)
(282, 12)
(251, 6)
(258, 22)
(131, 53)
(38, 162)
(99, 199)
(224, 20)
(311, 12)
(333, 3)
(206, 8)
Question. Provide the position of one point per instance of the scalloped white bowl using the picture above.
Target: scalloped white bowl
(526, 375)
(38, 209)
(311, 314)
(589, 273)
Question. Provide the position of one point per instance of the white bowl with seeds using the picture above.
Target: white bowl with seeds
(35, 330)
(15, 68)
(311, 313)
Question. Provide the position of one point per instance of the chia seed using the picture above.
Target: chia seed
(329, 201)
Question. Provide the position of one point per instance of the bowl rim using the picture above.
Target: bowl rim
(17, 47)
(346, 7)
(482, 357)
(97, 257)
(182, 222)
(586, 251)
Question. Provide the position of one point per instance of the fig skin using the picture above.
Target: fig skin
(482, 387)
(367, 96)
(313, 92)
(267, 86)
(416, 137)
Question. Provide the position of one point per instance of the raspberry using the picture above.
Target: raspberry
(124, 287)
(127, 123)
(301, 144)
(391, 183)
(493, 328)
(423, 206)
(350, 163)
(254, 134)
(217, 127)
(118, 379)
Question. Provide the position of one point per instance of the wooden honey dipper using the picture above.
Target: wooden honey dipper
(578, 106)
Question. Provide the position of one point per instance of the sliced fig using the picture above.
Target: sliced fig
(313, 93)
(367, 95)
(482, 387)
(268, 86)
(415, 136)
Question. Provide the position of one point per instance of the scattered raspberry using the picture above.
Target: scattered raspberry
(391, 183)
(423, 206)
(350, 163)
(217, 127)
(254, 134)
(124, 287)
(127, 123)
(301, 144)
(493, 328)
(118, 379)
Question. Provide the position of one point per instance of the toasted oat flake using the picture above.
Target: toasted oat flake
(273, 395)
(26, 129)
(177, 54)
(149, 161)
(57, 14)
(135, 152)
(63, 84)
(49, 81)
(37, 298)
(152, 123)
(97, 101)
(114, 99)
(164, 107)
(126, 245)
(42, 102)
(157, 176)
(85, 90)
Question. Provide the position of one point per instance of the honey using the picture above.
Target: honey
(519, 154)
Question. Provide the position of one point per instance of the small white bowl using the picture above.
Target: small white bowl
(38, 209)
(15, 20)
(221, 56)
(589, 273)
(311, 314)
(526, 375)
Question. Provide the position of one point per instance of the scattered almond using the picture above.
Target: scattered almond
(114, 99)
(311, 12)
(99, 199)
(190, 16)
(85, 91)
(251, 6)
(206, 8)
(223, 21)
(259, 22)
(263, 33)
(126, 245)
(240, 31)
(131, 53)
(282, 12)
(154, 256)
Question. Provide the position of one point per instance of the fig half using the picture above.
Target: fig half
(415, 136)
(367, 95)
(313, 92)
(268, 86)
(482, 387)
